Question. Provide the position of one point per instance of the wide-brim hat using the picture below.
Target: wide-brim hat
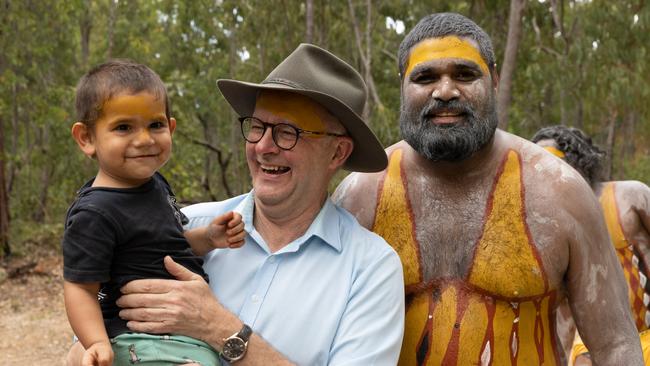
(318, 74)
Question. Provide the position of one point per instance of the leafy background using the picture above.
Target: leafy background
(579, 63)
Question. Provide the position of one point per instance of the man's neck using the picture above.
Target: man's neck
(281, 224)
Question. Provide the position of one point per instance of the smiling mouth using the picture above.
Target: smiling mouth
(274, 169)
(446, 117)
(142, 156)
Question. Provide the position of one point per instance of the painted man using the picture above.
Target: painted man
(626, 207)
(493, 232)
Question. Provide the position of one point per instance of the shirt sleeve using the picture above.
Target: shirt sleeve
(372, 326)
(88, 244)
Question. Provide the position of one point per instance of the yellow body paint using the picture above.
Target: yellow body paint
(505, 262)
(126, 106)
(555, 151)
(627, 255)
(501, 314)
(295, 108)
(445, 47)
(394, 218)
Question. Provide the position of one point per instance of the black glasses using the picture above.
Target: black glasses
(284, 135)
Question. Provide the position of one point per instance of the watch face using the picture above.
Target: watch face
(233, 348)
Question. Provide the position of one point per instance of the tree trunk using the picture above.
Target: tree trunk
(365, 55)
(4, 200)
(40, 212)
(609, 146)
(504, 95)
(309, 20)
(112, 16)
(85, 25)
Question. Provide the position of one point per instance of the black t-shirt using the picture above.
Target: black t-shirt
(115, 235)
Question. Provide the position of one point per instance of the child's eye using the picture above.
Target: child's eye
(157, 124)
(122, 127)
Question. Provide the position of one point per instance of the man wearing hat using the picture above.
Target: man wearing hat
(310, 285)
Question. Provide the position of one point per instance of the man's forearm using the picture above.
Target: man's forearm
(259, 352)
(623, 353)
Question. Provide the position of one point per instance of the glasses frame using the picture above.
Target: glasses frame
(272, 126)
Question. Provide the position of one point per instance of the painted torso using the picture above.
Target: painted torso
(629, 255)
(482, 296)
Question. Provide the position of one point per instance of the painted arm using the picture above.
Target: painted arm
(357, 193)
(596, 286)
(187, 306)
(642, 204)
(86, 320)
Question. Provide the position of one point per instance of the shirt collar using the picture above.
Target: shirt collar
(325, 226)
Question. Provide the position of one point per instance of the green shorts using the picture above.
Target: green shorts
(161, 350)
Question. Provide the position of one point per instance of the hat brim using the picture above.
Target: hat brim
(368, 154)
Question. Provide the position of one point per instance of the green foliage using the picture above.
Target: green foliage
(587, 73)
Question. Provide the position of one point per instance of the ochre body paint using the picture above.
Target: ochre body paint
(501, 314)
(295, 108)
(444, 47)
(555, 151)
(634, 267)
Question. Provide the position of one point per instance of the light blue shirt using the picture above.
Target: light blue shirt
(334, 296)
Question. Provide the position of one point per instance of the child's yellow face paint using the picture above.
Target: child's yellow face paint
(555, 151)
(445, 47)
(295, 108)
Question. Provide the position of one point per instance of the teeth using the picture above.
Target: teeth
(273, 168)
(448, 114)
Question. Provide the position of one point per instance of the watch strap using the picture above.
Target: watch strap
(245, 333)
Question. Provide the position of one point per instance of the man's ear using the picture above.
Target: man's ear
(82, 134)
(494, 75)
(172, 125)
(343, 150)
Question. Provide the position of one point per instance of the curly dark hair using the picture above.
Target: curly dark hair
(579, 150)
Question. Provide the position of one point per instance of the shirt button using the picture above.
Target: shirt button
(272, 259)
(255, 298)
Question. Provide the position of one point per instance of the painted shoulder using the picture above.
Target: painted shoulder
(358, 192)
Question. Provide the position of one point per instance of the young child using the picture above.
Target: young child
(125, 220)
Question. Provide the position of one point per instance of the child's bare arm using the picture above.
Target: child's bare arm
(225, 231)
(85, 317)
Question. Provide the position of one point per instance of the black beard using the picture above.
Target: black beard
(450, 143)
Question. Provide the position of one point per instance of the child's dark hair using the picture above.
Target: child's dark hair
(579, 150)
(111, 78)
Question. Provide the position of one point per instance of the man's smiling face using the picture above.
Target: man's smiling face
(448, 99)
(302, 173)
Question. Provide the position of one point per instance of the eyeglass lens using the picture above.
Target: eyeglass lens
(285, 136)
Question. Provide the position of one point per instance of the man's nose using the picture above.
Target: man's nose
(266, 143)
(445, 89)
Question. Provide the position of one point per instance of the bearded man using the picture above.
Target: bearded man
(493, 232)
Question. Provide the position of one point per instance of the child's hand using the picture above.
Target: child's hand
(226, 231)
(98, 354)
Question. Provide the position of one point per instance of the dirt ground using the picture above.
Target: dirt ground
(34, 329)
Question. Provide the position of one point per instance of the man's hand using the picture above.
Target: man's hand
(98, 354)
(226, 231)
(184, 306)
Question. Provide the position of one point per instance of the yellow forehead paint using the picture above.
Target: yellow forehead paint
(555, 151)
(142, 104)
(295, 108)
(445, 47)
